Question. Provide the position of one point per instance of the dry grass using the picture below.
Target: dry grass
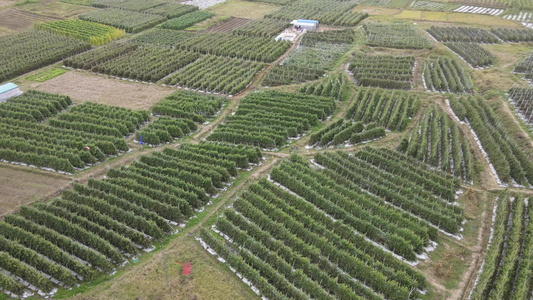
(85, 86)
(243, 9)
(23, 185)
(208, 279)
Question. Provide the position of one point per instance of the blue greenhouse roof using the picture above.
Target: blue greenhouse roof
(7, 87)
(307, 21)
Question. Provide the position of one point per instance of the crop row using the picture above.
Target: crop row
(508, 266)
(284, 236)
(385, 71)
(130, 21)
(25, 52)
(514, 35)
(522, 98)
(94, 33)
(187, 20)
(262, 28)
(525, 66)
(390, 109)
(268, 119)
(92, 228)
(161, 37)
(395, 35)
(216, 74)
(133, 5)
(334, 86)
(437, 141)
(82, 135)
(475, 55)
(346, 36)
(510, 161)
(447, 75)
(462, 34)
(335, 13)
(343, 131)
(319, 56)
(287, 74)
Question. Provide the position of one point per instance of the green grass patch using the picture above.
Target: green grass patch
(45, 75)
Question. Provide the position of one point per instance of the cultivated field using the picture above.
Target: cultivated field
(165, 150)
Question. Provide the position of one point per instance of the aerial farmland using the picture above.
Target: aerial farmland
(266, 149)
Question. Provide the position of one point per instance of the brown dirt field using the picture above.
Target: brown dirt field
(229, 25)
(16, 19)
(84, 86)
(6, 2)
(23, 185)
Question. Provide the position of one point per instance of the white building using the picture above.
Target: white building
(309, 25)
(9, 90)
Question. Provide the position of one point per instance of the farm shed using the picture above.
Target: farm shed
(309, 25)
(9, 90)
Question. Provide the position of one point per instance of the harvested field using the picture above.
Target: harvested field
(229, 25)
(22, 185)
(16, 19)
(100, 89)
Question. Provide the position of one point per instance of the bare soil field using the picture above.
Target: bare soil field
(6, 2)
(83, 86)
(18, 20)
(229, 25)
(23, 185)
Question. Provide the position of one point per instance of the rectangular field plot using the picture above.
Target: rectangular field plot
(25, 52)
(231, 25)
(187, 20)
(447, 75)
(436, 140)
(216, 74)
(94, 229)
(262, 28)
(395, 35)
(73, 139)
(143, 62)
(510, 252)
(269, 119)
(287, 74)
(251, 48)
(179, 114)
(392, 72)
(162, 37)
(522, 99)
(462, 34)
(510, 163)
(134, 5)
(96, 34)
(130, 21)
(525, 66)
(513, 35)
(290, 224)
(432, 5)
(335, 13)
(474, 54)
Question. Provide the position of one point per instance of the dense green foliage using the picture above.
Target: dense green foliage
(96, 34)
(475, 55)
(522, 99)
(390, 109)
(143, 62)
(510, 161)
(335, 12)
(262, 28)
(346, 36)
(508, 266)
(82, 135)
(93, 228)
(395, 35)
(436, 140)
(187, 20)
(161, 37)
(45, 75)
(447, 75)
(462, 34)
(287, 74)
(216, 74)
(385, 71)
(172, 10)
(334, 86)
(268, 119)
(525, 66)
(25, 52)
(130, 21)
(514, 35)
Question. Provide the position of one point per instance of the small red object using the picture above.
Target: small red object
(187, 267)
(87, 147)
